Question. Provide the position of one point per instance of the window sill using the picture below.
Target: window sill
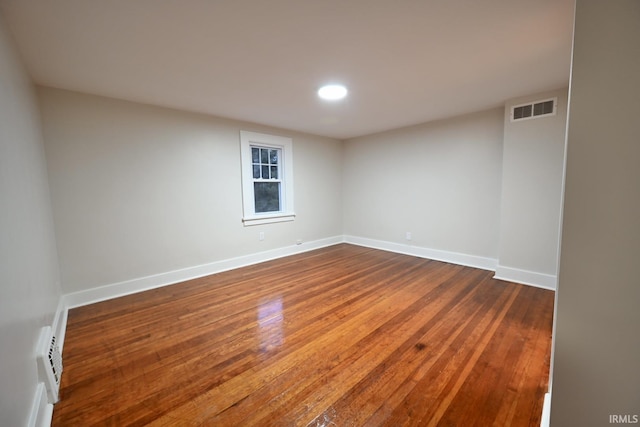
(268, 219)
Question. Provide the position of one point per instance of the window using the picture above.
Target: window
(267, 181)
(534, 109)
(267, 178)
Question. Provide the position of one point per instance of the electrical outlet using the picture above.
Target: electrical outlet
(299, 242)
(261, 236)
(407, 235)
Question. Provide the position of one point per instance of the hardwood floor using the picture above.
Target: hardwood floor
(342, 336)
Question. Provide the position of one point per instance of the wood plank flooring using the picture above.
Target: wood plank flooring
(341, 336)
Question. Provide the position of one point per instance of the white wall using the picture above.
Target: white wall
(140, 190)
(532, 171)
(597, 349)
(440, 181)
(475, 189)
(29, 277)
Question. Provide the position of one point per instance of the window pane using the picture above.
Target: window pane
(274, 157)
(267, 196)
(256, 172)
(255, 155)
(274, 172)
(265, 172)
(264, 156)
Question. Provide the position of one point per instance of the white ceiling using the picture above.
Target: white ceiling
(404, 61)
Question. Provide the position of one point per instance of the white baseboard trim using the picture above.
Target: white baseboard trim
(435, 254)
(546, 411)
(59, 324)
(532, 278)
(102, 293)
(41, 410)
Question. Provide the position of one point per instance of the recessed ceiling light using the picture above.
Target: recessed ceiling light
(332, 92)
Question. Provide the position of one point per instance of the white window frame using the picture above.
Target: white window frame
(285, 145)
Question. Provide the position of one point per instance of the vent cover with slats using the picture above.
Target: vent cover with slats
(533, 110)
(49, 363)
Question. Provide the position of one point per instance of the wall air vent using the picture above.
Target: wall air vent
(49, 363)
(533, 110)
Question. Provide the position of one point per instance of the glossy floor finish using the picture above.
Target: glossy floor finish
(342, 336)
